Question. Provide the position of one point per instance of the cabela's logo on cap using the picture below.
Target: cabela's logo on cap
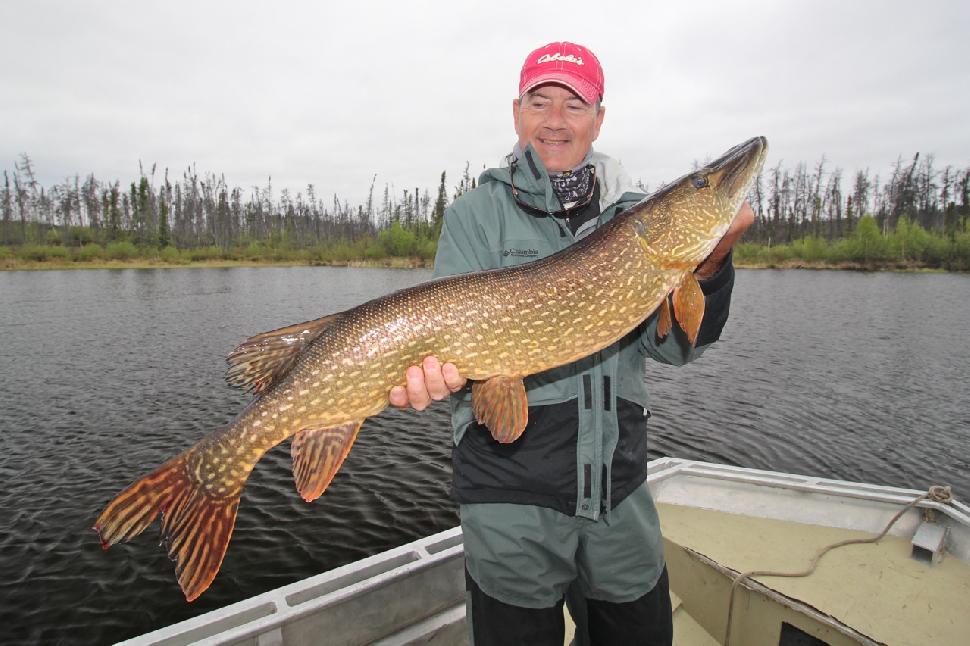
(568, 58)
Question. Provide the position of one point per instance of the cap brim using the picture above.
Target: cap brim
(583, 90)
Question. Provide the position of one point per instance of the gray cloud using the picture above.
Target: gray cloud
(332, 93)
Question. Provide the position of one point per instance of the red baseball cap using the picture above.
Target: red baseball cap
(569, 64)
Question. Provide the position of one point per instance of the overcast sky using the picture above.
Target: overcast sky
(331, 93)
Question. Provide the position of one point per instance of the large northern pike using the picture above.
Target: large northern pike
(318, 381)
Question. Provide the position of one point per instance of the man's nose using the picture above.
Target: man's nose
(554, 117)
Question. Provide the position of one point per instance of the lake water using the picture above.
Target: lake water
(106, 374)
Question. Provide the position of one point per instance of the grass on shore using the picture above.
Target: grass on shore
(124, 255)
(909, 248)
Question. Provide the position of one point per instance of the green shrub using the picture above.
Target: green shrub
(342, 251)
(811, 248)
(960, 254)
(373, 249)
(867, 245)
(41, 253)
(426, 248)
(171, 255)
(254, 251)
(203, 253)
(89, 252)
(397, 240)
(748, 252)
(840, 251)
(122, 250)
(778, 254)
(938, 251)
(6, 252)
(908, 241)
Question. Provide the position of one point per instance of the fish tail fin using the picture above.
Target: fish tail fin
(196, 525)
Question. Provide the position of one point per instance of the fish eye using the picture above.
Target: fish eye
(700, 182)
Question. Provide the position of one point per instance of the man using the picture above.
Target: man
(564, 507)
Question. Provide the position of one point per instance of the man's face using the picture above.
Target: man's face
(558, 124)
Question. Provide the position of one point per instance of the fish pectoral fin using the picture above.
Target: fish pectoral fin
(689, 306)
(196, 526)
(317, 456)
(500, 403)
(260, 361)
(664, 320)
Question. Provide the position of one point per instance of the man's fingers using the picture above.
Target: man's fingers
(398, 397)
(416, 388)
(427, 382)
(453, 379)
(434, 380)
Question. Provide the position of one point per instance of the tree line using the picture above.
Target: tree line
(793, 203)
(917, 216)
(203, 216)
(918, 213)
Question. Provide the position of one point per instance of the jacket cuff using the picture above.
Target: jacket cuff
(723, 276)
(717, 302)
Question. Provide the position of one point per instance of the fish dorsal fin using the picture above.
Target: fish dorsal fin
(664, 321)
(260, 361)
(689, 306)
(317, 456)
(500, 403)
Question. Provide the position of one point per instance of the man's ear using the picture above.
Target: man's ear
(515, 114)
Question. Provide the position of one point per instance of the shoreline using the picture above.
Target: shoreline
(16, 264)
(10, 264)
(417, 263)
(900, 267)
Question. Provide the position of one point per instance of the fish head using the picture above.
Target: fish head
(680, 224)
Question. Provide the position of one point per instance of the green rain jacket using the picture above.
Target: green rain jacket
(485, 229)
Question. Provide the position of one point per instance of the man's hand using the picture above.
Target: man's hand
(430, 380)
(740, 224)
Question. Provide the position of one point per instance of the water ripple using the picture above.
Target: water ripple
(106, 374)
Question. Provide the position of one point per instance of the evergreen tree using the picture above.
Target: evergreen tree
(164, 232)
(440, 204)
(113, 212)
(6, 207)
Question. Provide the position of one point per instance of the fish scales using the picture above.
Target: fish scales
(317, 382)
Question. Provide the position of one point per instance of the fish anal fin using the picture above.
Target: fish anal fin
(260, 361)
(500, 403)
(196, 526)
(664, 320)
(318, 454)
(689, 306)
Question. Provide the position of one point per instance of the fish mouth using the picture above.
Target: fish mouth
(733, 173)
